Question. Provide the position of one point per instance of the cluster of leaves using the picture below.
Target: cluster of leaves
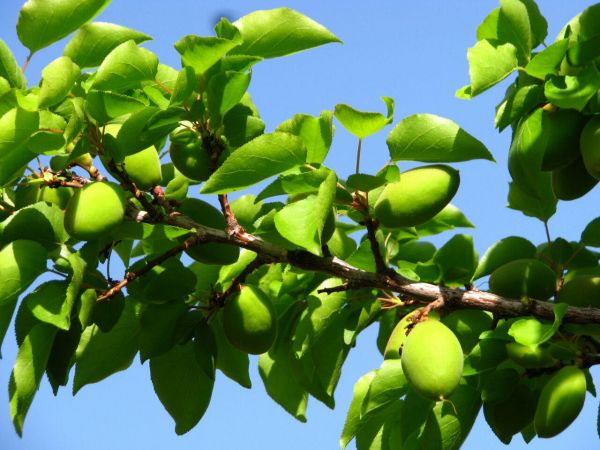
(168, 308)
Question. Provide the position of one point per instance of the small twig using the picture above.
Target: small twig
(330, 290)
(380, 264)
(159, 197)
(130, 276)
(233, 227)
(424, 312)
(218, 298)
(547, 233)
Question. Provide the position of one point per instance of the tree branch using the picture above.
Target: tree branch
(454, 298)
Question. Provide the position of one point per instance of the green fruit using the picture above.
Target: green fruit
(188, 154)
(420, 194)
(560, 402)
(208, 215)
(58, 196)
(144, 168)
(529, 357)
(94, 210)
(467, 325)
(523, 278)
(572, 181)
(249, 321)
(590, 147)
(398, 336)
(432, 360)
(581, 291)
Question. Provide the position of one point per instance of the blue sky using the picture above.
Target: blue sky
(414, 52)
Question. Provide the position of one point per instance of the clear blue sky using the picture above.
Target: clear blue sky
(414, 52)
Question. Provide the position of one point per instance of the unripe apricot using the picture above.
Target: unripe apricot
(581, 291)
(432, 360)
(249, 321)
(420, 194)
(572, 181)
(144, 168)
(560, 402)
(523, 278)
(188, 154)
(206, 214)
(58, 196)
(94, 210)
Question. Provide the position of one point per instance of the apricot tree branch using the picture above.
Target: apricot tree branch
(380, 264)
(454, 298)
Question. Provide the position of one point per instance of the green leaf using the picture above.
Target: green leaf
(181, 385)
(279, 32)
(21, 262)
(16, 126)
(276, 371)
(94, 41)
(387, 386)
(457, 259)
(201, 53)
(225, 90)
(490, 63)
(302, 222)
(184, 86)
(232, 362)
(105, 106)
(575, 91)
(7, 309)
(364, 182)
(62, 356)
(319, 346)
(158, 326)
(316, 132)
(28, 370)
(9, 68)
(431, 138)
(125, 67)
(541, 209)
(502, 252)
(448, 218)
(242, 124)
(354, 416)
(43, 22)
(58, 78)
(547, 61)
(449, 423)
(532, 332)
(263, 157)
(47, 303)
(591, 233)
(518, 105)
(100, 354)
(361, 124)
(41, 222)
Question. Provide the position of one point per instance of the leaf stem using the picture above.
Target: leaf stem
(358, 155)
(26, 63)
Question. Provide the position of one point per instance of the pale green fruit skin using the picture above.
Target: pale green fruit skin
(590, 147)
(206, 214)
(58, 196)
(432, 360)
(144, 168)
(581, 291)
(249, 321)
(94, 210)
(523, 278)
(188, 155)
(528, 357)
(398, 336)
(560, 402)
(420, 194)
